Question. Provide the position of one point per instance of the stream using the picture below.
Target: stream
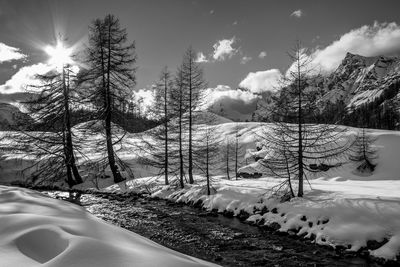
(209, 235)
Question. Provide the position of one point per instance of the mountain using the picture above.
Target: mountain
(362, 91)
(360, 80)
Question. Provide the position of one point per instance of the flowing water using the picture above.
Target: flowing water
(208, 235)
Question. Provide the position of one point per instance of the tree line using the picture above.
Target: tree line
(178, 147)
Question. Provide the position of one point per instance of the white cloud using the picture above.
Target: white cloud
(223, 49)
(235, 23)
(307, 66)
(245, 59)
(235, 104)
(24, 78)
(201, 58)
(297, 13)
(212, 11)
(368, 40)
(262, 54)
(261, 81)
(213, 95)
(8, 53)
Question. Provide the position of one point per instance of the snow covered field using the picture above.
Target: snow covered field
(36, 230)
(340, 208)
(348, 213)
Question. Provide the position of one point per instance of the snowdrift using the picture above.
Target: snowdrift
(36, 230)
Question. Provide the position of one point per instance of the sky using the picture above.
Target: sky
(239, 43)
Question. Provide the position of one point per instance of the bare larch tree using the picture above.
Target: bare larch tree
(299, 146)
(50, 106)
(194, 84)
(110, 74)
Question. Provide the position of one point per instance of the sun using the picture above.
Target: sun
(59, 55)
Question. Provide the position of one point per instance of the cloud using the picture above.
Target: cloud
(223, 49)
(245, 59)
(8, 53)
(201, 58)
(212, 11)
(23, 78)
(261, 81)
(368, 40)
(235, 23)
(236, 104)
(297, 13)
(262, 54)
(308, 67)
(224, 91)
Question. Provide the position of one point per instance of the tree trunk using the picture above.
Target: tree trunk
(207, 167)
(110, 150)
(300, 133)
(166, 131)
(236, 156)
(69, 151)
(180, 139)
(227, 160)
(191, 181)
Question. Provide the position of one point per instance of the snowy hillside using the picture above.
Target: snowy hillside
(9, 115)
(206, 117)
(340, 207)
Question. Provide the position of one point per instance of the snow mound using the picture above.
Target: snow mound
(39, 231)
(206, 117)
(96, 126)
(42, 245)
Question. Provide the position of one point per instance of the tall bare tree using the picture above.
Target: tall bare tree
(299, 146)
(160, 150)
(51, 108)
(110, 74)
(163, 98)
(179, 106)
(194, 84)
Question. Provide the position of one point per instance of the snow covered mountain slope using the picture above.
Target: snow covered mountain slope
(359, 80)
(36, 230)
(362, 91)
